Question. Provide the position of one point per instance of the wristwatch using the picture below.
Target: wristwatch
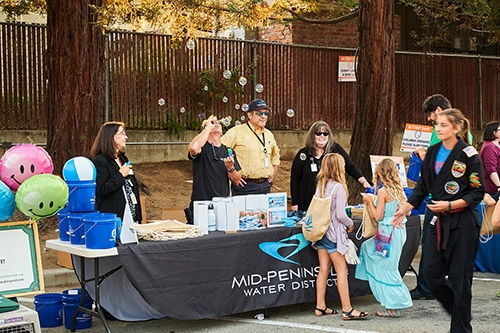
(232, 170)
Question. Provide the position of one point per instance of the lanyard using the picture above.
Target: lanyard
(263, 141)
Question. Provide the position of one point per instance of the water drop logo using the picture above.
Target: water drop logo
(273, 248)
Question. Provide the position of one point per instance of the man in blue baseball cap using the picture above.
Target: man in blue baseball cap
(258, 153)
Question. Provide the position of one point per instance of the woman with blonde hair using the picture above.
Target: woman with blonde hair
(331, 248)
(452, 173)
(381, 271)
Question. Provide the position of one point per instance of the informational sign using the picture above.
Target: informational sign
(416, 136)
(400, 163)
(20, 262)
(347, 68)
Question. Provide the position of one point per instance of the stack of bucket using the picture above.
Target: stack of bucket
(79, 222)
(53, 309)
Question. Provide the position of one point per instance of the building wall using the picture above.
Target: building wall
(343, 34)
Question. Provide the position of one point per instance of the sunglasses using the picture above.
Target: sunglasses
(322, 133)
(262, 113)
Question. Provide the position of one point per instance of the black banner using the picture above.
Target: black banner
(221, 274)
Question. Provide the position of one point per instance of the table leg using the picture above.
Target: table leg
(98, 294)
(81, 308)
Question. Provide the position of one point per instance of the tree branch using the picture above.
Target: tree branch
(353, 14)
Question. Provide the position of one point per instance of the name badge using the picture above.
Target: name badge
(266, 161)
(314, 167)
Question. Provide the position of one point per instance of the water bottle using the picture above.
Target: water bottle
(229, 152)
(211, 218)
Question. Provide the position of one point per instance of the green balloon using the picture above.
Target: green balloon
(41, 196)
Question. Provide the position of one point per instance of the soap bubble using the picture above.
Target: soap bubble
(244, 107)
(242, 81)
(290, 113)
(182, 109)
(190, 44)
(237, 106)
(259, 88)
(161, 102)
(227, 74)
(201, 115)
(205, 88)
(226, 122)
(237, 122)
(230, 118)
(242, 118)
(225, 99)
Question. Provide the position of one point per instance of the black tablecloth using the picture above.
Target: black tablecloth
(221, 274)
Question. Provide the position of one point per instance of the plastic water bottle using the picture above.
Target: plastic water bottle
(211, 218)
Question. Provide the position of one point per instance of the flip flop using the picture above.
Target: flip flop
(347, 315)
(324, 312)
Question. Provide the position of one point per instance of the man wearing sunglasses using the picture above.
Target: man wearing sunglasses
(214, 165)
(258, 153)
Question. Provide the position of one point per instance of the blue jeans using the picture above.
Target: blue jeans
(325, 243)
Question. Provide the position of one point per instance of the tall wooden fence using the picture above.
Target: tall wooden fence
(154, 85)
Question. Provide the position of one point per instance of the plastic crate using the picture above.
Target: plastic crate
(23, 320)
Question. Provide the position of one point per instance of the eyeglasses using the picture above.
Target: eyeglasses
(322, 133)
(262, 113)
(121, 133)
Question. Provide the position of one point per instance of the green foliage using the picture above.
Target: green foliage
(440, 18)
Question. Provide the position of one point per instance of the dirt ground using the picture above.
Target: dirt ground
(169, 186)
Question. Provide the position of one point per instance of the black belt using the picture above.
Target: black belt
(255, 180)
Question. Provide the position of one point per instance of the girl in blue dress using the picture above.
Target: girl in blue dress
(381, 271)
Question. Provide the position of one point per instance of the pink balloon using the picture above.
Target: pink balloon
(23, 161)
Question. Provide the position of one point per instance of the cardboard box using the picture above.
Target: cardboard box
(173, 214)
(64, 259)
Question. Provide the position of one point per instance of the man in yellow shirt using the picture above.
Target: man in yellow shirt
(258, 153)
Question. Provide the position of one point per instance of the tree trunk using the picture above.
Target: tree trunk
(373, 129)
(75, 68)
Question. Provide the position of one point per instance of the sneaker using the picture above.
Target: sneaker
(417, 294)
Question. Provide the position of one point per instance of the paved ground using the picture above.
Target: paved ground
(424, 316)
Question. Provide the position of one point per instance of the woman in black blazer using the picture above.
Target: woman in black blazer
(115, 182)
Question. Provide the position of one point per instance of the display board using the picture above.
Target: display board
(21, 270)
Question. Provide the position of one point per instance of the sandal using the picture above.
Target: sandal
(347, 315)
(324, 312)
(389, 313)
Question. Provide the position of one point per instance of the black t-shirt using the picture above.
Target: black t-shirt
(210, 176)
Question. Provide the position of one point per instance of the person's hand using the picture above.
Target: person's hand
(366, 198)
(350, 229)
(420, 152)
(125, 169)
(229, 162)
(438, 206)
(295, 208)
(397, 220)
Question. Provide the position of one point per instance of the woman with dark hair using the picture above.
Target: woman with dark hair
(490, 156)
(307, 162)
(116, 186)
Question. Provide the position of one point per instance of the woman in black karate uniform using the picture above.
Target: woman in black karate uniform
(452, 173)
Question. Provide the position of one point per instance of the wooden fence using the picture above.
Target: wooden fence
(153, 85)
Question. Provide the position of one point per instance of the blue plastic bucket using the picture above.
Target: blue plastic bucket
(414, 167)
(100, 230)
(81, 196)
(71, 300)
(50, 309)
(76, 228)
(63, 224)
(421, 209)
